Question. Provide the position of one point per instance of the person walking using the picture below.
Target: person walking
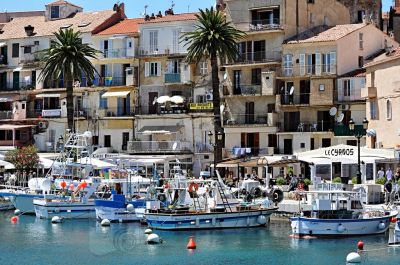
(381, 173)
(388, 191)
(389, 174)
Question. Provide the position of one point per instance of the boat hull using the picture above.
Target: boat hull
(24, 202)
(6, 205)
(67, 210)
(221, 220)
(119, 214)
(303, 226)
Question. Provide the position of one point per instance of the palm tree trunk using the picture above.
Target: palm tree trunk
(70, 104)
(216, 106)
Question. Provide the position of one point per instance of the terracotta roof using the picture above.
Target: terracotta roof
(61, 2)
(127, 26)
(396, 10)
(332, 34)
(355, 73)
(390, 55)
(172, 18)
(82, 21)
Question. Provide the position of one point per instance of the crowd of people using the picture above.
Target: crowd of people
(391, 186)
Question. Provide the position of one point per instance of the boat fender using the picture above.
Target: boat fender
(381, 225)
(148, 231)
(353, 257)
(153, 239)
(56, 220)
(105, 222)
(130, 208)
(341, 228)
(277, 195)
(261, 220)
(17, 212)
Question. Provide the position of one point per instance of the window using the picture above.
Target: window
(107, 140)
(153, 41)
(288, 64)
(346, 88)
(360, 15)
(360, 61)
(200, 98)
(256, 76)
(103, 101)
(36, 43)
(55, 12)
(388, 109)
(321, 87)
(95, 140)
(373, 110)
(15, 50)
(361, 40)
(302, 145)
(152, 69)
(203, 68)
(27, 49)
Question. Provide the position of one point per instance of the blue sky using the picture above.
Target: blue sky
(133, 8)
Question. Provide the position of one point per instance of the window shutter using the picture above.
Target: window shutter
(302, 64)
(340, 89)
(333, 62)
(158, 68)
(318, 69)
(146, 69)
(352, 86)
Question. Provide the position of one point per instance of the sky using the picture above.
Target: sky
(133, 8)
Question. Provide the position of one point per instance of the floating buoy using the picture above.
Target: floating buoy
(381, 226)
(360, 245)
(393, 219)
(191, 244)
(130, 208)
(14, 219)
(148, 231)
(153, 239)
(56, 220)
(17, 212)
(105, 222)
(261, 220)
(353, 257)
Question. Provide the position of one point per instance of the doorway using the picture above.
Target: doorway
(288, 146)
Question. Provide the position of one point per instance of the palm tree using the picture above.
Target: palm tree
(213, 38)
(69, 57)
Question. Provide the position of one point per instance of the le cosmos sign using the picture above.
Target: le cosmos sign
(336, 152)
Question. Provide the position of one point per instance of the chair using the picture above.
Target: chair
(300, 127)
(314, 127)
(259, 26)
(252, 27)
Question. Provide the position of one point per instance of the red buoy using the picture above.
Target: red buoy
(360, 245)
(14, 219)
(191, 244)
(393, 219)
(63, 184)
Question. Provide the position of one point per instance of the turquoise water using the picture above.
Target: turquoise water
(34, 241)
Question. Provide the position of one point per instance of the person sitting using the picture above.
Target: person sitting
(293, 183)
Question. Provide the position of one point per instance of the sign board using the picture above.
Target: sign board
(340, 151)
(201, 106)
(105, 155)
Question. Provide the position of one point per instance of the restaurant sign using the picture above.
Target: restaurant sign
(335, 152)
(201, 106)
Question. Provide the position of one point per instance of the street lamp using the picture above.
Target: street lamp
(218, 138)
(359, 134)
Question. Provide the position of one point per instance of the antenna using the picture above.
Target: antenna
(145, 10)
(340, 117)
(172, 4)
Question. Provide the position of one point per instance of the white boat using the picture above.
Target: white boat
(77, 206)
(339, 213)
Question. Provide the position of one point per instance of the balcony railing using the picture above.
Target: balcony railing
(266, 119)
(308, 70)
(107, 81)
(265, 24)
(343, 130)
(3, 60)
(172, 78)
(30, 58)
(6, 114)
(306, 126)
(158, 146)
(297, 99)
(17, 85)
(114, 53)
(246, 90)
(258, 57)
(247, 151)
(116, 112)
(355, 95)
(160, 109)
(161, 50)
(47, 113)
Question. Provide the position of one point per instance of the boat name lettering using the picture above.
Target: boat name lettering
(339, 152)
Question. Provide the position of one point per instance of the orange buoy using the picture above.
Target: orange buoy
(393, 219)
(14, 219)
(191, 244)
(63, 184)
(360, 245)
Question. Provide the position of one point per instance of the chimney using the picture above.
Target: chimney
(29, 30)
(159, 14)
(152, 16)
(397, 3)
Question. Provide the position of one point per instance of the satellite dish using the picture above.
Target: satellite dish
(333, 111)
(225, 76)
(340, 117)
(174, 146)
(371, 132)
(291, 90)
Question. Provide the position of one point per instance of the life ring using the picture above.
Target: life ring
(193, 187)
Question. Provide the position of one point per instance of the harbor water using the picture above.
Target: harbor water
(35, 241)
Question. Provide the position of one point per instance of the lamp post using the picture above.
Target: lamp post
(60, 143)
(359, 134)
(218, 138)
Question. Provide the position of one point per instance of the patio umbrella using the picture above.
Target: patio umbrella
(163, 99)
(177, 99)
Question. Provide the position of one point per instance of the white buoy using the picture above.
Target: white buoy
(261, 220)
(130, 208)
(153, 239)
(105, 222)
(353, 257)
(148, 231)
(56, 220)
(17, 212)
(381, 226)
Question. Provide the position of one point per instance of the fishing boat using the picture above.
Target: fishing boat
(339, 213)
(209, 209)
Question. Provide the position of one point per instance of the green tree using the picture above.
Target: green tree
(213, 38)
(68, 57)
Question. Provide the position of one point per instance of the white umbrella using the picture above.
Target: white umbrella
(46, 163)
(96, 163)
(177, 99)
(6, 165)
(163, 99)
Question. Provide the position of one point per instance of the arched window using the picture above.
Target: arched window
(388, 109)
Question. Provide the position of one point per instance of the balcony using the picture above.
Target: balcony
(161, 50)
(172, 78)
(247, 152)
(258, 57)
(308, 70)
(297, 99)
(355, 95)
(29, 58)
(17, 85)
(158, 147)
(6, 114)
(369, 92)
(51, 113)
(306, 126)
(107, 81)
(265, 24)
(3, 60)
(246, 90)
(115, 112)
(343, 130)
(115, 53)
(261, 119)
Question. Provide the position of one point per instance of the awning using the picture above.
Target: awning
(118, 37)
(117, 92)
(159, 129)
(48, 95)
(7, 98)
(2, 44)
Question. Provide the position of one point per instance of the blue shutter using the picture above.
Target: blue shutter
(128, 104)
(119, 106)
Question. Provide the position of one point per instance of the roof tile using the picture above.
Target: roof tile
(127, 26)
(172, 18)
